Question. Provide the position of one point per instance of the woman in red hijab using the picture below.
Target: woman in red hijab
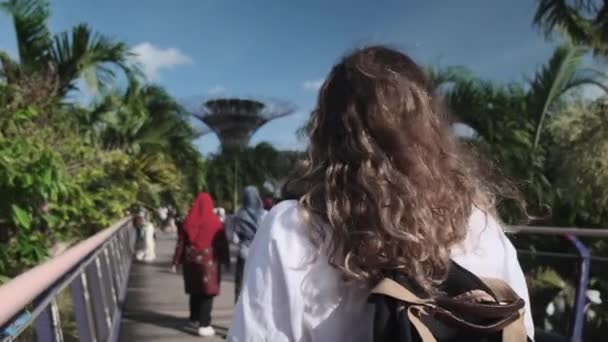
(201, 247)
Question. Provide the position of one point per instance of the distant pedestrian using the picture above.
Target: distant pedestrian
(162, 213)
(220, 213)
(244, 226)
(201, 248)
(169, 223)
(145, 245)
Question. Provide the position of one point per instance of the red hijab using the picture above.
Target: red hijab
(201, 225)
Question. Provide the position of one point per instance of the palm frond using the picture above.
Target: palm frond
(559, 14)
(484, 106)
(440, 76)
(601, 24)
(33, 37)
(551, 81)
(589, 76)
(585, 22)
(82, 51)
(10, 70)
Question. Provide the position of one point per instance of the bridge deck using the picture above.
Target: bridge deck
(156, 307)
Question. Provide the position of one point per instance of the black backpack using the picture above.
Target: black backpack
(467, 309)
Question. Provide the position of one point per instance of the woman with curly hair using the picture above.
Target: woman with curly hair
(387, 189)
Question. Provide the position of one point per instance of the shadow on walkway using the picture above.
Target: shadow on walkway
(156, 307)
(161, 320)
(165, 321)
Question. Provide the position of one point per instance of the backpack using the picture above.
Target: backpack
(467, 308)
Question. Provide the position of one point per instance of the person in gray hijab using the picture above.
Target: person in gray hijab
(244, 226)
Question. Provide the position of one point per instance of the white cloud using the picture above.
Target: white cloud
(216, 90)
(154, 59)
(312, 85)
(592, 92)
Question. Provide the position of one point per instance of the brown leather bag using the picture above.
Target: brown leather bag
(489, 312)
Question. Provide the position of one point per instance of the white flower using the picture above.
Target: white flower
(594, 296)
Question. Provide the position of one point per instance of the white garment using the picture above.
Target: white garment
(163, 213)
(146, 247)
(291, 293)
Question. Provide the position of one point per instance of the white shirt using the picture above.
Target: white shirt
(291, 293)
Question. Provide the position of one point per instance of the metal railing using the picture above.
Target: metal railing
(585, 257)
(96, 272)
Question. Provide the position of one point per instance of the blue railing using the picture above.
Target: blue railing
(585, 258)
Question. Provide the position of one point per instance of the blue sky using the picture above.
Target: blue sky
(283, 49)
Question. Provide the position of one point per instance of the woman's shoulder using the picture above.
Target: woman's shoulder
(486, 247)
(285, 225)
(284, 218)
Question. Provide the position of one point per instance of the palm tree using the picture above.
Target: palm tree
(510, 120)
(441, 76)
(144, 118)
(484, 105)
(585, 21)
(561, 74)
(147, 122)
(69, 56)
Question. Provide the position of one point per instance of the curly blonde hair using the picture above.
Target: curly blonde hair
(384, 171)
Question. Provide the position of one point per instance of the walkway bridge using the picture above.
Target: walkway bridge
(95, 292)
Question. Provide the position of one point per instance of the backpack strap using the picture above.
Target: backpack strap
(414, 313)
(508, 309)
(516, 331)
(415, 310)
(391, 288)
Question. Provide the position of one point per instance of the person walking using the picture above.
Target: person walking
(145, 246)
(220, 213)
(201, 249)
(244, 226)
(389, 199)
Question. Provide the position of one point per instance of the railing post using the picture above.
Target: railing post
(116, 267)
(578, 320)
(82, 310)
(100, 307)
(108, 281)
(47, 324)
(123, 258)
(116, 261)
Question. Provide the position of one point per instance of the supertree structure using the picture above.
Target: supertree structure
(235, 120)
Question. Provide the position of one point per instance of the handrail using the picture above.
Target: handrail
(572, 234)
(586, 232)
(23, 289)
(95, 270)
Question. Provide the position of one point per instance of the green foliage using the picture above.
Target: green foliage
(30, 175)
(585, 21)
(65, 57)
(262, 166)
(510, 122)
(67, 171)
(580, 158)
(86, 187)
(555, 149)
